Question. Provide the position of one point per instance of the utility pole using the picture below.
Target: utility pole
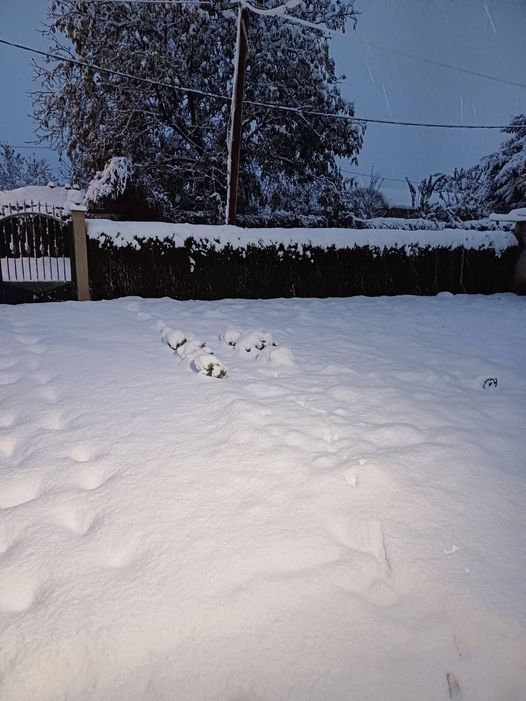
(236, 114)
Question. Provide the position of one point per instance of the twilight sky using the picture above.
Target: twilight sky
(487, 36)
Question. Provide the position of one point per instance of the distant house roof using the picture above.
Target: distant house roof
(52, 196)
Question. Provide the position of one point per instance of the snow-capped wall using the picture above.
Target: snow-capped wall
(131, 233)
(51, 196)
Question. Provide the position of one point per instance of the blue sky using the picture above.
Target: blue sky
(482, 35)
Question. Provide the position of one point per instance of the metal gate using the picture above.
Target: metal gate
(36, 255)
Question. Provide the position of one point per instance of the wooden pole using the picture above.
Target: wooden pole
(78, 219)
(236, 115)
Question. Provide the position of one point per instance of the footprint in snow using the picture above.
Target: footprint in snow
(76, 519)
(19, 491)
(16, 595)
(352, 474)
(8, 446)
(363, 536)
(455, 692)
(10, 378)
(49, 392)
(8, 419)
(92, 478)
(8, 363)
(42, 378)
(54, 421)
(28, 340)
(83, 453)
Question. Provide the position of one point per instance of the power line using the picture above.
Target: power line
(381, 177)
(370, 120)
(281, 12)
(302, 111)
(113, 71)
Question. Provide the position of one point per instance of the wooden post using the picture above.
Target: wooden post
(236, 115)
(78, 219)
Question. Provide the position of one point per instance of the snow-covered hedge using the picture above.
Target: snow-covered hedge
(402, 224)
(375, 239)
(211, 262)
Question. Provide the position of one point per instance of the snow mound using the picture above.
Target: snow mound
(278, 357)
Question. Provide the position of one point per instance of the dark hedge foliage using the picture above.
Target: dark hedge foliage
(199, 271)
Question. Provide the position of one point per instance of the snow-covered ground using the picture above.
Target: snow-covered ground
(348, 523)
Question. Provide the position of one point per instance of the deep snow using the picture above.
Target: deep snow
(347, 525)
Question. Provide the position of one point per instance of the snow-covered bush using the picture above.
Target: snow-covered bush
(208, 364)
(252, 341)
(192, 347)
(230, 336)
(193, 351)
(189, 262)
(174, 338)
(110, 183)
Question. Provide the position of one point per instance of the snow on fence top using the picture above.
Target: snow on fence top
(131, 233)
(51, 196)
